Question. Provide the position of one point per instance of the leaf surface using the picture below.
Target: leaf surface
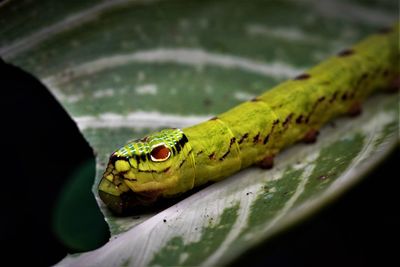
(124, 68)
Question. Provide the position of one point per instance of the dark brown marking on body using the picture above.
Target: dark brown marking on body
(385, 73)
(144, 139)
(333, 98)
(233, 139)
(178, 147)
(183, 140)
(255, 99)
(273, 126)
(243, 138)
(183, 161)
(129, 162)
(213, 118)
(344, 96)
(167, 169)
(311, 136)
(287, 120)
(355, 109)
(153, 171)
(129, 179)
(364, 76)
(303, 76)
(200, 152)
(360, 81)
(314, 108)
(267, 162)
(255, 138)
(346, 53)
(211, 156)
(137, 158)
(299, 119)
(123, 172)
(113, 158)
(224, 155)
(266, 139)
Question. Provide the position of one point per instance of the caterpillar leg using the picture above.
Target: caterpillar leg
(355, 109)
(266, 163)
(394, 85)
(311, 136)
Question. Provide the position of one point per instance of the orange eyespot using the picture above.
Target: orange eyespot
(160, 153)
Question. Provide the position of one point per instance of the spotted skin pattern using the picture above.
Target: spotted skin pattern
(173, 161)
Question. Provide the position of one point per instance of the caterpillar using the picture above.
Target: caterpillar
(167, 163)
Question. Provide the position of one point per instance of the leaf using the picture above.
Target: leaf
(123, 68)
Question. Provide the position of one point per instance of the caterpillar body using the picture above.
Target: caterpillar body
(173, 161)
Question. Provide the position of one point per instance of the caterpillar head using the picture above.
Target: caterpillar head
(160, 164)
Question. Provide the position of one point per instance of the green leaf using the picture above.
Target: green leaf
(123, 68)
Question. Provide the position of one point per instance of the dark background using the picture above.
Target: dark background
(42, 148)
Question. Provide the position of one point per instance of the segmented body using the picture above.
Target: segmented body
(174, 161)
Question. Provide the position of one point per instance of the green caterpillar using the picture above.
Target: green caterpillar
(173, 161)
